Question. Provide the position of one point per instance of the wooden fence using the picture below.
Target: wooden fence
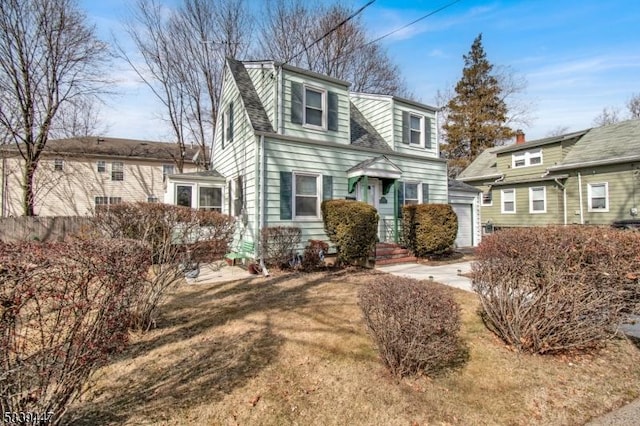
(41, 228)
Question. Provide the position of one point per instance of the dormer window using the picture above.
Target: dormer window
(314, 107)
(415, 128)
(527, 158)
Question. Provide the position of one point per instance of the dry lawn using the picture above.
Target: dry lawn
(292, 349)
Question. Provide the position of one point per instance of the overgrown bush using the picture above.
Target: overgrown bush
(314, 254)
(429, 229)
(279, 244)
(352, 226)
(178, 237)
(557, 288)
(415, 325)
(64, 308)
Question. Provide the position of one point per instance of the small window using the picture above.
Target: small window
(314, 107)
(415, 123)
(210, 198)
(167, 169)
(227, 125)
(487, 198)
(519, 160)
(306, 191)
(58, 164)
(527, 158)
(152, 199)
(115, 200)
(183, 195)
(411, 193)
(598, 194)
(117, 171)
(508, 201)
(101, 201)
(101, 166)
(537, 200)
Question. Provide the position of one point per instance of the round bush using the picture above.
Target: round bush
(429, 229)
(415, 325)
(352, 226)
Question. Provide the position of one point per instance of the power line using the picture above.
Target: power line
(350, 17)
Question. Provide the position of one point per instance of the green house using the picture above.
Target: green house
(586, 177)
(287, 139)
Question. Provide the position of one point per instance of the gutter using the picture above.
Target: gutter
(629, 159)
(470, 178)
(262, 204)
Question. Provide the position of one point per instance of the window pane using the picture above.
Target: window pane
(598, 191)
(415, 122)
(537, 193)
(598, 203)
(314, 117)
(183, 195)
(102, 167)
(411, 191)
(415, 137)
(410, 202)
(507, 196)
(519, 163)
(306, 185)
(535, 160)
(508, 206)
(538, 205)
(210, 197)
(314, 99)
(306, 206)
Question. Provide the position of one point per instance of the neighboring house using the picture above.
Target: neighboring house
(76, 175)
(586, 177)
(287, 139)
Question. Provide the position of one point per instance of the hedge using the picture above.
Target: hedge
(429, 229)
(352, 226)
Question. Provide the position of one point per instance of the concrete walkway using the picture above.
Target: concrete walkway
(445, 274)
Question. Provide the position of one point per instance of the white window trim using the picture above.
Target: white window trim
(404, 191)
(113, 163)
(489, 204)
(175, 192)
(102, 163)
(544, 199)
(526, 156)
(211, 186)
(58, 165)
(606, 197)
(325, 111)
(420, 130)
(502, 210)
(318, 177)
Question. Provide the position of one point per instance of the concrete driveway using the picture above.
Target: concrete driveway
(445, 274)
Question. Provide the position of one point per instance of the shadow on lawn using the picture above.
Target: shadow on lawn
(213, 363)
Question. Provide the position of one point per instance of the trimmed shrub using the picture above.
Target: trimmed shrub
(415, 325)
(178, 237)
(64, 309)
(558, 288)
(352, 226)
(278, 245)
(429, 229)
(314, 254)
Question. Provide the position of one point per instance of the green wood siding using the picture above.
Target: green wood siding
(378, 113)
(551, 155)
(264, 81)
(342, 121)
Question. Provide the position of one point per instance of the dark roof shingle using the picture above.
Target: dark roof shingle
(363, 134)
(255, 110)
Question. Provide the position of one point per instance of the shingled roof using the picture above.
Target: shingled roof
(484, 165)
(257, 115)
(116, 147)
(363, 133)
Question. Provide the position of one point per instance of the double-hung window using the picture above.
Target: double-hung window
(411, 193)
(58, 164)
(117, 170)
(306, 190)
(598, 194)
(537, 200)
(210, 198)
(527, 158)
(314, 107)
(105, 201)
(101, 166)
(415, 128)
(508, 201)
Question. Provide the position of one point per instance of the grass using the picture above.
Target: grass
(292, 349)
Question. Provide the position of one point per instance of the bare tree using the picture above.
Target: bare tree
(49, 57)
(78, 119)
(310, 37)
(558, 131)
(183, 53)
(633, 104)
(609, 115)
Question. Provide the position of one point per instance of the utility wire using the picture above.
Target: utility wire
(350, 17)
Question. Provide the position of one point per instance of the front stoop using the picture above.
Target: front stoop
(389, 253)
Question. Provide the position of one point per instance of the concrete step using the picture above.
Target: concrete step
(395, 260)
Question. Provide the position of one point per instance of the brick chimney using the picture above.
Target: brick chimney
(519, 137)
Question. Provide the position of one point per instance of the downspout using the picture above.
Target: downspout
(262, 204)
(395, 212)
(4, 185)
(580, 198)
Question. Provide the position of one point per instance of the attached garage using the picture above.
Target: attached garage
(464, 199)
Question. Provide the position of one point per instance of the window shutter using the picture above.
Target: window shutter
(405, 127)
(333, 111)
(224, 136)
(286, 190)
(296, 103)
(230, 131)
(400, 186)
(230, 196)
(327, 187)
(427, 132)
(425, 193)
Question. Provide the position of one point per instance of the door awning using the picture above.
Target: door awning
(378, 167)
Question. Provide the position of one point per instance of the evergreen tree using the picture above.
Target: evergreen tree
(476, 116)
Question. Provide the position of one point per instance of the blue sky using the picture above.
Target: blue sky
(576, 56)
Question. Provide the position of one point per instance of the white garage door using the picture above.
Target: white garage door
(465, 225)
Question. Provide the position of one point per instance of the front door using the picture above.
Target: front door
(373, 189)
